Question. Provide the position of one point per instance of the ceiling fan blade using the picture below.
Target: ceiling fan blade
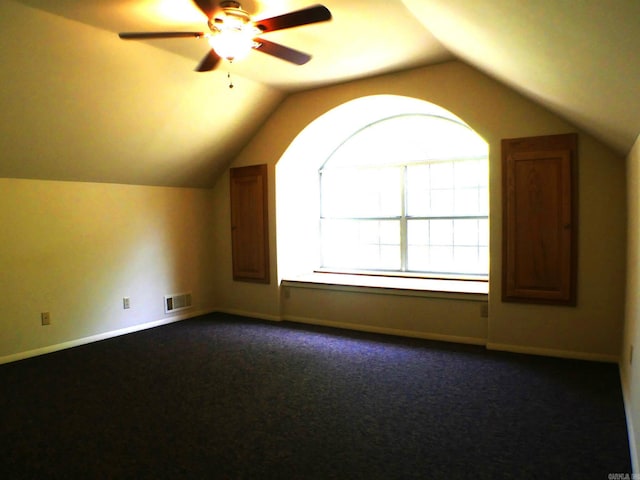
(208, 7)
(282, 52)
(209, 62)
(155, 35)
(313, 14)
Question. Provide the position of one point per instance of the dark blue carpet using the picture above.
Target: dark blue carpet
(228, 397)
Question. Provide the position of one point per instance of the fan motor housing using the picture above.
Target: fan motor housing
(232, 11)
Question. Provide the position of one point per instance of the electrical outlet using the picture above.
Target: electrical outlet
(45, 318)
(126, 303)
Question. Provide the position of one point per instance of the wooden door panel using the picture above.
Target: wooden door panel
(249, 223)
(539, 232)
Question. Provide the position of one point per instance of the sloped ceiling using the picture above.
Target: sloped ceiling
(579, 58)
(78, 103)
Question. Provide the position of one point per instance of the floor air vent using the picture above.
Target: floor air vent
(177, 302)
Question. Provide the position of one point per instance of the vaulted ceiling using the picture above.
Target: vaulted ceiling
(78, 103)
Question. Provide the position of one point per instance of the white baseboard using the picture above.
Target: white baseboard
(245, 313)
(551, 352)
(96, 338)
(386, 330)
(633, 447)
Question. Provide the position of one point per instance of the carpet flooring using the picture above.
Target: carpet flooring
(227, 397)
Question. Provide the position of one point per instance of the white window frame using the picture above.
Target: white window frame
(404, 218)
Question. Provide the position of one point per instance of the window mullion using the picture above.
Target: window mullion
(403, 221)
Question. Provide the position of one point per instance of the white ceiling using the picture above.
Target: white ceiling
(577, 57)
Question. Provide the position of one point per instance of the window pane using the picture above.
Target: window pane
(447, 189)
(442, 175)
(441, 259)
(471, 187)
(361, 193)
(471, 260)
(389, 258)
(467, 201)
(483, 202)
(465, 232)
(441, 232)
(361, 244)
(416, 138)
(483, 260)
(483, 232)
(418, 190)
(471, 173)
(418, 254)
(442, 203)
(417, 232)
(464, 259)
(448, 246)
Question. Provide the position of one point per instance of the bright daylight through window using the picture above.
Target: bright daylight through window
(407, 195)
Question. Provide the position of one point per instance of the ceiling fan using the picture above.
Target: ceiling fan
(232, 33)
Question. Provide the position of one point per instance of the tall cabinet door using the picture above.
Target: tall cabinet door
(250, 224)
(539, 219)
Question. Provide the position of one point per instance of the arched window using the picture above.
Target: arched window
(407, 194)
(326, 189)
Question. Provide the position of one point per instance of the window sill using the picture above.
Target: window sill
(415, 287)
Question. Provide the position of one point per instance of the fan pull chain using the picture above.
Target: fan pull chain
(230, 81)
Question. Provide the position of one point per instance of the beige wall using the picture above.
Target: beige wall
(76, 249)
(629, 370)
(591, 330)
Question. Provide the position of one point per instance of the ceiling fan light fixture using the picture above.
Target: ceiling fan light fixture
(233, 34)
(232, 44)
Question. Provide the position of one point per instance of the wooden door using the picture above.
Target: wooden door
(539, 219)
(250, 224)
